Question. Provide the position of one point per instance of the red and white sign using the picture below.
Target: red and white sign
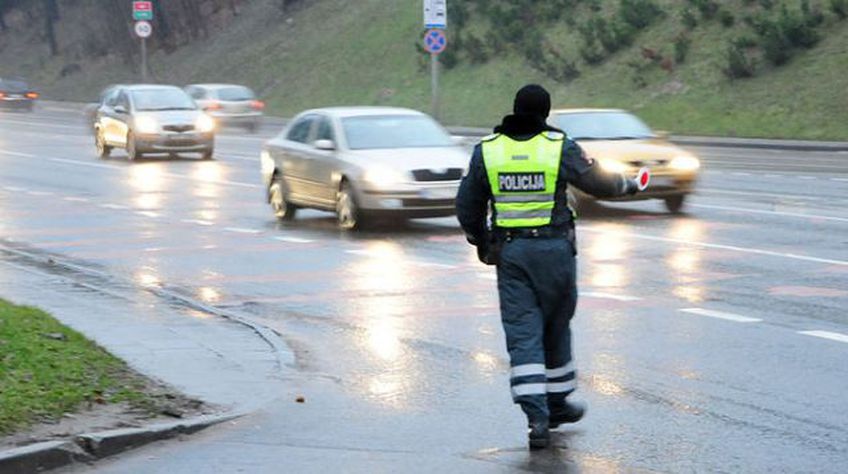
(643, 178)
(142, 6)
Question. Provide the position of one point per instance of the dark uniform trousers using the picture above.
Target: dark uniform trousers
(538, 295)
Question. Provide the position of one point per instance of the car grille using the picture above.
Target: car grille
(418, 202)
(178, 128)
(648, 163)
(450, 174)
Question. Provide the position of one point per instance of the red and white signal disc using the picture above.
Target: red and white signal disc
(643, 178)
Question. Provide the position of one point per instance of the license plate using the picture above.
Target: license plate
(439, 193)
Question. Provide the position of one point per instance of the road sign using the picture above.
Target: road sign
(435, 41)
(643, 179)
(143, 29)
(436, 14)
(142, 11)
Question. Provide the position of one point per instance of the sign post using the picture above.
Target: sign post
(143, 14)
(435, 42)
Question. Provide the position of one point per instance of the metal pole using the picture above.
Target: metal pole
(434, 84)
(144, 60)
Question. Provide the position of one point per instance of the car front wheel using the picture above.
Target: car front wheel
(103, 150)
(674, 204)
(283, 209)
(348, 215)
(132, 152)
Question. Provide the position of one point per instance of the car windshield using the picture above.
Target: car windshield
(162, 99)
(602, 126)
(394, 131)
(13, 86)
(235, 94)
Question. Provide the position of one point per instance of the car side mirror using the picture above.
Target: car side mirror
(120, 109)
(326, 145)
(662, 134)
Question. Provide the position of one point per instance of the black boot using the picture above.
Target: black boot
(566, 412)
(539, 436)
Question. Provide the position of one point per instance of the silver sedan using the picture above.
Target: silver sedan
(363, 162)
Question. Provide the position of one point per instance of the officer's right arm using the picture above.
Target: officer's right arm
(472, 200)
(585, 173)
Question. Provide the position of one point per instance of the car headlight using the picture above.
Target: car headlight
(205, 124)
(146, 124)
(612, 166)
(383, 176)
(685, 163)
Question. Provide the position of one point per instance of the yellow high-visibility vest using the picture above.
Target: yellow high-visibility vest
(523, 177)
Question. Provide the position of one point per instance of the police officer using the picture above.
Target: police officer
(520, 175)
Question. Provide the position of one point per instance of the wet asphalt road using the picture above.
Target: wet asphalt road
(716, 341)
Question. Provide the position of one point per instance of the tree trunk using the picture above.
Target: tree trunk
(51, 13)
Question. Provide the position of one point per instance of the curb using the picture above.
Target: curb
(89, 447)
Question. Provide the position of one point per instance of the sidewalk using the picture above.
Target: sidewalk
(205, 356)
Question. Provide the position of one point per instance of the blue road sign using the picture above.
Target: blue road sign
(435, 41)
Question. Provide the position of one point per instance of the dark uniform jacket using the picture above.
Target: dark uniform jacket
(473, 202)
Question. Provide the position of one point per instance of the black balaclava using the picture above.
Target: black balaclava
(530, 113)
(532, 99)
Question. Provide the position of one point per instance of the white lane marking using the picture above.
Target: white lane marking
(807, 177)
(741, 174)
(198, 222)
(15, 153)
(722, 247)
(833, 336)
(755, 193)
(487, 276)
(85, 163)
(15, 189)
(776, 213)
(609, 296)
(151, 214)
(75, 199)
(114, 206)
(40, 193)
(154, 249)
(44, 124)
(775, 176)
(422, 263)
(721, 315)
(841, 180)
(293, 240)
(240, 230)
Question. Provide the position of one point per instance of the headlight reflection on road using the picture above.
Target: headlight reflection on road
(608, 246)
(379, 274)
(685, 262)
(146, 178)
(208, 176)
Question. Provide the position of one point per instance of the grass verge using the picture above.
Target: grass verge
(48, 370)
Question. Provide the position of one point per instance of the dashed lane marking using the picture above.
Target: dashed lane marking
(420, 263)
(85, 163)
(833, 336)
(39, 193)
(118, 207)
(150, 214)
(14, 189)
(610, 296)
(776, 213)
(75, 199)
(293, 240)
(841, 180)
(733, 248)
(197, 222)
(15, 153)
(240, 230)
(721, 315)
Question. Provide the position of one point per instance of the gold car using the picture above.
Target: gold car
(620, 142)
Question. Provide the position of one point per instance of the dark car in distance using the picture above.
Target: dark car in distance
(16, 94)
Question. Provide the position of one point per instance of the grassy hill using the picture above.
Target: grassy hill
(330, 52)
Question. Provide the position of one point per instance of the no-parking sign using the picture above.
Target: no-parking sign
(435, 41)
